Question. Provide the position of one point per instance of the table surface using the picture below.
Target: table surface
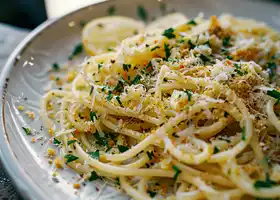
(10, 37)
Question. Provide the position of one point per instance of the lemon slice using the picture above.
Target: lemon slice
(167, 21)
(105, 34)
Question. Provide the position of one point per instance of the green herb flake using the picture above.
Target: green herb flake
(237, 69)
(119, 87)
(271, 66)
(70, 158)
(167, 51)
(92, 116)
(119, 100)
(91, 90)
(204, 58)
(154, 48)
(110, 49)
(122, 148)
(82, 24)
(111, 10)
(71, 142)
(103, 89)
(142, 13)
(177, 171)
(93, 176)
(192, 22)
(264, 184)
(136, 80)
(192, 46)
(275, 94)
(226, 41)
(152, 193)
(100, 140)
(99, 66)
(189, 93)
(150, 155)
(169, 33)
(95, 155)
(76, 51)
(216, 150)
(243, 137)
(27, 130)
(56, 141)
(126, 67)
(110, 96)
(229, 57)
(55, 67)
(118, 181)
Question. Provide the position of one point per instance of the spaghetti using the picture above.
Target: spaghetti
(188, 111)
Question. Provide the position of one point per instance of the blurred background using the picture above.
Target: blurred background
(30, 13)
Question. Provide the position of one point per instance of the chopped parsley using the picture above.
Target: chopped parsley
(169, 33)
(93, 176)
(118, 181)
(95, 155)
(264, 184)
(76, 51)
(55, 67)
(142, 13)
(177, 171)
(99, 66)
(126, 67)
(204, 58)
(189, 93)
(110, 49)
(226, 41)
(271, 66)
(192, 46)
(237, 69)
(207, 43)
(243, 137)
(150, 155)
(111, 10)
(192, 22)
(100, 140)
(92, 116)
(27, 130)
(154, 48)
(275, 94)
(167, 51)
(71, 142)
(56, 141)
(119, 100)
(91, 90)
(152, 193)
(136, 80)
(122, 148)
(110, 96)
(70, 158)
(216, 150)
(229, 57)
(119, 86)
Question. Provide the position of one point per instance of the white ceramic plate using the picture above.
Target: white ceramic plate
(25, 75)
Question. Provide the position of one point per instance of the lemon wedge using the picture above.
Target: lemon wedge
(167, 21)
(105, 34)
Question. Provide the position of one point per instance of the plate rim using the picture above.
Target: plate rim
(24, 185)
